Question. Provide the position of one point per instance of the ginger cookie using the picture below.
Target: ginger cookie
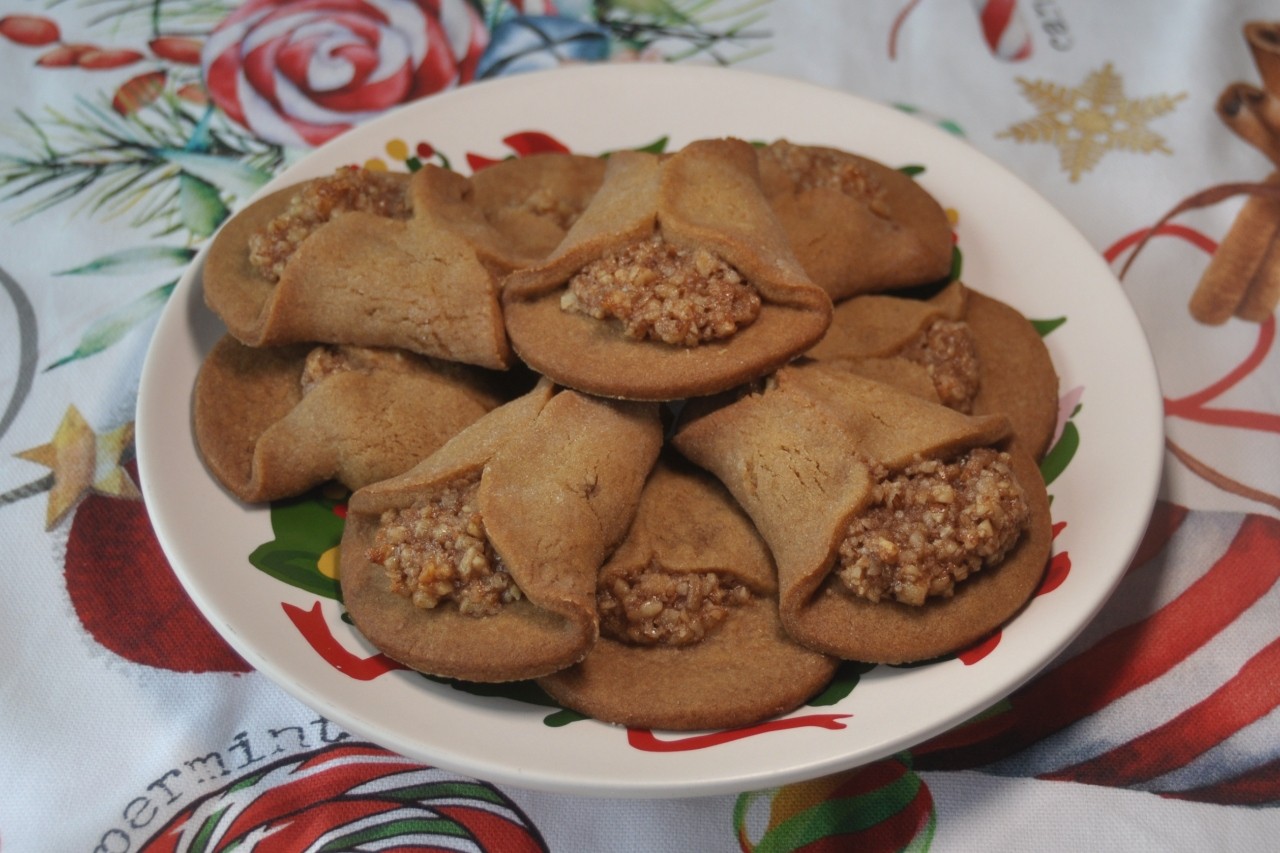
(676, 281)
(902, 530)
(481, 562)
(856, 225)
(273, 422)
(344, 260)
(969, 351)
(690, 632)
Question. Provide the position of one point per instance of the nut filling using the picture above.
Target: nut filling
(812, 168)
(661, 292)
(435, 551)
(931, 526)
(652, 607)
(544, 203)
(383, 194)
(947, 350)
(329, 359)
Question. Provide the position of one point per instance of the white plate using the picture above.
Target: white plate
(1015, 247)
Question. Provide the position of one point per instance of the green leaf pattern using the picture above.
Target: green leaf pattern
(110, 328)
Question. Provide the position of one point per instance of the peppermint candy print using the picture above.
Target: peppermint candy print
(1004, 29)
(351, 796)
(299, 72)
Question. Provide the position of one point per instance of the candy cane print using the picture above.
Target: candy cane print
(1004, 29)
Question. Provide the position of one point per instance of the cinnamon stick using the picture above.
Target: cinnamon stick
(1239, 257)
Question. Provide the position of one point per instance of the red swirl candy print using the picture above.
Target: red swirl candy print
(300, 72)
(350, 796)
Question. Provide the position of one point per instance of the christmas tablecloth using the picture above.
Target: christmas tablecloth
(132, 130)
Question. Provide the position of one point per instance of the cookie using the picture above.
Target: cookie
(962, 348)
(315, 264)
(856, 225)
(272, 423)
(531, 202)
(819, 459)
(514, 212)
(1017, 376)
(714, 654)
(481, 562)
(604, 313)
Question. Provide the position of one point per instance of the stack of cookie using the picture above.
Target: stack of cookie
(671, 434)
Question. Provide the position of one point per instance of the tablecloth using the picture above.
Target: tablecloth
(1152, 126)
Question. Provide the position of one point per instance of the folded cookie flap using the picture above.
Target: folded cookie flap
(886, 325)
(690, 632)
(857, 225)
(789, 464)
(480, 563)
(531, 202)
(514, 212)
(273, 422)
(902, 530)
(343, 260)
(675, 281)
(969, 351)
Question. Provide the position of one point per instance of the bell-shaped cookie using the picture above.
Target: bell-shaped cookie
(690, 632)
(974, 353)
(901, 529)
(857, 225)
(481, 562)
(344, 260)
(514, 212)
(676, 281)
(273, 422)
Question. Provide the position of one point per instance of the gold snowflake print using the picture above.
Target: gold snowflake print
(1087, 121)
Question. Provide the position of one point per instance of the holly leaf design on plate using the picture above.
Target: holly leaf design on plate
(304, 551)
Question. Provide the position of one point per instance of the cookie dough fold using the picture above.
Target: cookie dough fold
(533, 201)
(514, 212)
(857, 225)
(274, 422)
(807, 456)
(355, 276)
(704, 204)
(692, 638)
(521, 510)
(960, 347)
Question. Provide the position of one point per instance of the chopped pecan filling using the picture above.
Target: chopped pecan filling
(319, 201)
(812, 168)
(436, 550)
(330, 359)
(661, 292)
(947, 350)
(545, 203)
(653, 607)
(931, 526)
